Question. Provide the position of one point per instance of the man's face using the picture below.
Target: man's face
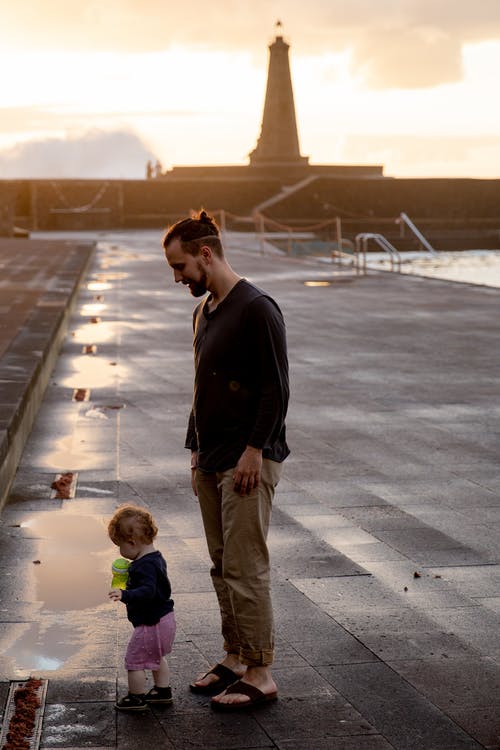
(187, 268)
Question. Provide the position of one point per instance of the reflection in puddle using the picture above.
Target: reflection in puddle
(43, 648)
(98, 334)
(74, 553)
(98, 286)
(112, 276)
(65, 454)
(92, 308)
(92, 372)
(74, 574)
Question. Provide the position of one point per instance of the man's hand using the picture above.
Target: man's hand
(247, 473)
(115, 595)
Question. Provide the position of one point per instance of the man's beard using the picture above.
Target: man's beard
(197, 288)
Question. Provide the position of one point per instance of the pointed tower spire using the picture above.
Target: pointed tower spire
(278, 142)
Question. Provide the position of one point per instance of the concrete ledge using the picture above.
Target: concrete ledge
(27, 364)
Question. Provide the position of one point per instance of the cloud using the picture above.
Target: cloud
(407, 43)
(427, 156)
(95, 154)
(57, 118)
(416, 57)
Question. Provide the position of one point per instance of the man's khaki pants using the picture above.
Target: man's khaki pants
(236, 529)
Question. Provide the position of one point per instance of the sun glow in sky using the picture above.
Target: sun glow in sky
(97, 88)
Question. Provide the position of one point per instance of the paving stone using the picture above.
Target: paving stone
(481, 723)
(395, 709)
(347, 592)
(359, 742)
(384, 517)
(474, 581)
(140, 731)
(92, 685)
(492, 603)
(78, 725)
(294, 550)
(213, 731)
(364, 554)
(475, 626)
(339, 648)
(310, 719)
(460, 681)
(301, 682)
(295, 625)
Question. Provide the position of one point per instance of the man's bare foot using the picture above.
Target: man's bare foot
(210, 679)
(259, 677)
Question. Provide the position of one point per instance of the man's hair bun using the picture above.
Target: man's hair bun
(205, 218)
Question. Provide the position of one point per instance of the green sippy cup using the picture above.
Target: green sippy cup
(120, 573)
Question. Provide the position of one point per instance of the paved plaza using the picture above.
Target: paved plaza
(385, 530)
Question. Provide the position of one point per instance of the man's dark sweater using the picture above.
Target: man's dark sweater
(148, 591)
(241, 379)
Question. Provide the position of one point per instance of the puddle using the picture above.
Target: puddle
(99, 334)
(112, 276)
(92, 372)
(98, 286)
(75, 557)
(92, 308)
(42, 648)
(65, 454)
(74, 575)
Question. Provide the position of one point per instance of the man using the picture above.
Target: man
(236, 435)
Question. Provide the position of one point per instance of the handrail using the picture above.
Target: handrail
(405, 219)
(361, 243)
(338, 254)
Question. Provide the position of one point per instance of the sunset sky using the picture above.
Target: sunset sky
(96, 87)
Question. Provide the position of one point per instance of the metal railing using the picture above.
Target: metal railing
(405, 219)
(360, 250)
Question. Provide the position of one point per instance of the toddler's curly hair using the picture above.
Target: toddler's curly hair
(132, 522)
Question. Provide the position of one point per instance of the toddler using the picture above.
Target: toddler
(150, 608)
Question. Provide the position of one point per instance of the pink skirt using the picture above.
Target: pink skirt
(150, 643)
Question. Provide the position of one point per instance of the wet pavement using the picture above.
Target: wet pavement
(38, 286)
(384, 541)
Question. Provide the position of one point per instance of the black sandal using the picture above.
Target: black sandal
(132, 703)
(255, 697)
(226, 677)
(159, 695)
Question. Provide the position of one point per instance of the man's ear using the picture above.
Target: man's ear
(206, 253)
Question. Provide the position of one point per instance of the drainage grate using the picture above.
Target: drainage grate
(36, 688)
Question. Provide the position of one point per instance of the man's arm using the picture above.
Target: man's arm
(266, 329)
(271, 372)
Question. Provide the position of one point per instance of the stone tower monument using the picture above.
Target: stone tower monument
(278, 143)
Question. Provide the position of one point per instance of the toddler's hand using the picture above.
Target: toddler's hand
(115, 595)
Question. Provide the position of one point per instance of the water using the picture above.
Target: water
(72, 579)
(469, 266)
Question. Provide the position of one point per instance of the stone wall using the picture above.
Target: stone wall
(8, 192)
(363, 202)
